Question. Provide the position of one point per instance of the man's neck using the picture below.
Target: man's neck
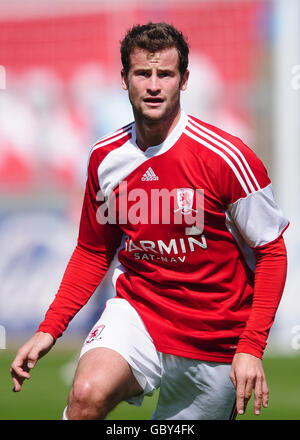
(151, 133)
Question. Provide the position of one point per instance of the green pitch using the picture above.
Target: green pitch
(44, 396)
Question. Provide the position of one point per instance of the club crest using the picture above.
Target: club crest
(95, 333)
(185, 200)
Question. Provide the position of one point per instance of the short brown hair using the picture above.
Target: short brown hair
(154, 37)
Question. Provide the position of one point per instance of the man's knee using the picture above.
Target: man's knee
(102, 380)
(89, 400)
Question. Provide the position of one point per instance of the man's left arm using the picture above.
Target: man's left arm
(247, 373)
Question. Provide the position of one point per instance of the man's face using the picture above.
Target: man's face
(154, 83)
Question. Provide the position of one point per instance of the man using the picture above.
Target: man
(190, 210)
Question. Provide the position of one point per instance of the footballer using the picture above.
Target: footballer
(190, 212)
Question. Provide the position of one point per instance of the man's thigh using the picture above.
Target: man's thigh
(194, 390)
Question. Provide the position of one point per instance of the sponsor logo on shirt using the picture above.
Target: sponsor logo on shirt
(149, 175)
(175, 251)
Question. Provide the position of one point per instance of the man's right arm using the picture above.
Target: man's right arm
(97, 243)
(96, 247)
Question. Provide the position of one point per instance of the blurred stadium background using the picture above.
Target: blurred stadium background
(60, 91)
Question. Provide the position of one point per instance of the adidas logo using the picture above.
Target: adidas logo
(149, 175)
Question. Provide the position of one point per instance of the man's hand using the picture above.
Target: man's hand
(27, 357)
(247, 374)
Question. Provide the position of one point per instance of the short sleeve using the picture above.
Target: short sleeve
(258, 218)
(248, 195)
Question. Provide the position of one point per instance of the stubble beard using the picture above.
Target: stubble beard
(168, 114)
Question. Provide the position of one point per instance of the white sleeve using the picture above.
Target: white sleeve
(258, 218)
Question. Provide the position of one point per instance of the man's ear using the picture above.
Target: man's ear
(184, 80)
(124, 80)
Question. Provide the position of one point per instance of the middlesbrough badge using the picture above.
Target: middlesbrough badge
(95, 333)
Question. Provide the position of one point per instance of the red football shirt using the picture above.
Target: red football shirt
(185, 217)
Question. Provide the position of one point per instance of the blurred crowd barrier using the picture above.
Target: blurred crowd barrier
(60, 91)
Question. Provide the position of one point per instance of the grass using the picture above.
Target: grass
(44, 396)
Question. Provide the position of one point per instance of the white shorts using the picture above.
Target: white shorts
(189, 389)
